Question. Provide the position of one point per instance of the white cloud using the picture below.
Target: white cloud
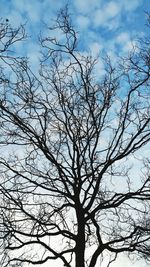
(123, 37)
(85, 6)
(36, 10)
(125, 41)
(30, 9)
(109, 14)
(109, 11)
(95, 49)
(33, 12)
(112, 9)
(83, 22)
(131, 5)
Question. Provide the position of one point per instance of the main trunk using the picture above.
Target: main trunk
(80, 241)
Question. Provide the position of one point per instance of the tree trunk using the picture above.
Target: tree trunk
(80, 241)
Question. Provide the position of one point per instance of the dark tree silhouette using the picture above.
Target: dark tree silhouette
(68, 138)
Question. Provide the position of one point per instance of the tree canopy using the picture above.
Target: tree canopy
(68, 138)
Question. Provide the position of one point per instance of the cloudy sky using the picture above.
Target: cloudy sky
(110, 26)
(105, 25)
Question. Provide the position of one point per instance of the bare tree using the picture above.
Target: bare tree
(69, 136)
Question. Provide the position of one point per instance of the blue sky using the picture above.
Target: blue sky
(112, 26)
(104, 25)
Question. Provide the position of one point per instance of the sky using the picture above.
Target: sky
(110, 26)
